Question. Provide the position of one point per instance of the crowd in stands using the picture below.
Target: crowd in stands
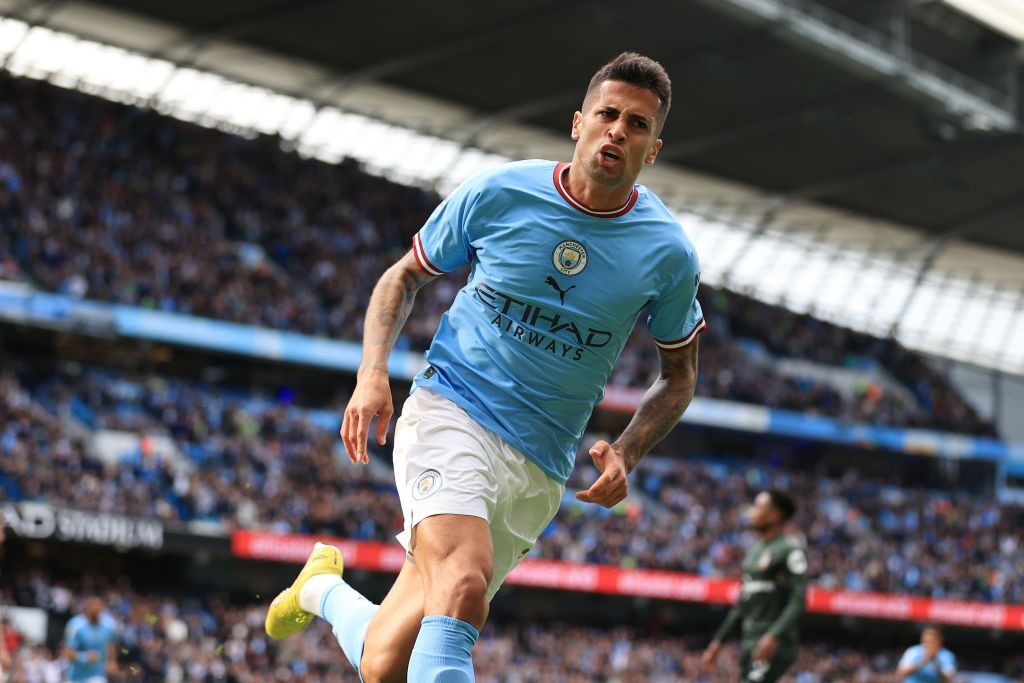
(177, 635)
(862, 532)
(260, 464)
(270, 468)
(110, 202)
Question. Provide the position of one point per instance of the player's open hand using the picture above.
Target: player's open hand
(611, 487)
(372, 398)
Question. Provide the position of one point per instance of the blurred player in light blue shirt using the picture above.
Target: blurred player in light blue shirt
(928, 662)
(89, 644)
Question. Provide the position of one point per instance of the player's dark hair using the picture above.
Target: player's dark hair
(634, 68)
(783, 503)
(931, 627)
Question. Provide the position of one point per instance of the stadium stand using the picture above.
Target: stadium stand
(249, 461)
(176, 217)
(120, 204)
(214, 637)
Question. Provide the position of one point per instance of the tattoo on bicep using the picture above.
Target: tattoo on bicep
(679, 363)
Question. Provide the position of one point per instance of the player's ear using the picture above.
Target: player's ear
(577, 119)
(654, 152)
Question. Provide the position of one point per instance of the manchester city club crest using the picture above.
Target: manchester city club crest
(426, 484)
(569, 257)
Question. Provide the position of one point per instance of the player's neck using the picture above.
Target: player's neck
(593, 195)
(770, 534)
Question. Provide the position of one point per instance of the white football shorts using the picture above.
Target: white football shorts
(446, 463)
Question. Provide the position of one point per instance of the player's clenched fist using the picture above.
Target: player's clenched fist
(611, 487)
(372, 398)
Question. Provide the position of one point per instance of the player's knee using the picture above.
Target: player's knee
(470, 588)
(460, 592)
(383, 665)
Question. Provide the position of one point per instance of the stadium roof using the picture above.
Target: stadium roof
(449, 89)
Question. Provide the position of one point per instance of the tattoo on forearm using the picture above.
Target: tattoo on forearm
(662, 406)
(389, 308)
(392, 302)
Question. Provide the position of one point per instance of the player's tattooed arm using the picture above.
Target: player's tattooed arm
(658, 413)
(662, 405)
(389, 308)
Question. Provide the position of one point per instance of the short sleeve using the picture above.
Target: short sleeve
(948, 660)
(111, 625)
(909, 657)
(71, 634)
(676, 318)
(443, 244)
(796, 562)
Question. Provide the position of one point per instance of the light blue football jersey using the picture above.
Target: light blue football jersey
(929, 673)
(83, 637)
(553, 293)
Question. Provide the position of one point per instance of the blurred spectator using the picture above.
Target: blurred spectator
(11, 638)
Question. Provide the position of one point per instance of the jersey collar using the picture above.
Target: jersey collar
(559, 177)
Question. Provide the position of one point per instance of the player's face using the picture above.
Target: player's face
(93, 608)
(931, 639)
(616, 133)
(762, 514)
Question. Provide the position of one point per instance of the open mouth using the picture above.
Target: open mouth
(610, 155)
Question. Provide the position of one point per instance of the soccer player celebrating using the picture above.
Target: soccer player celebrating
(564, 257)
(89, 644)
(928, 662)
(771, 596)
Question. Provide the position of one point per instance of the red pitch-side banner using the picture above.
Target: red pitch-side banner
(596, 578)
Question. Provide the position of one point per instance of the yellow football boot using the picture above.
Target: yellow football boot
(285, 616)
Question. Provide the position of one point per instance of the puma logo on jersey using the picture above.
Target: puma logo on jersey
(561, 292)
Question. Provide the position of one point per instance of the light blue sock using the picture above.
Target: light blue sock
(443, 651)
(349, 613)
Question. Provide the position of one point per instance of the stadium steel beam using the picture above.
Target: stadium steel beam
(865, 49)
